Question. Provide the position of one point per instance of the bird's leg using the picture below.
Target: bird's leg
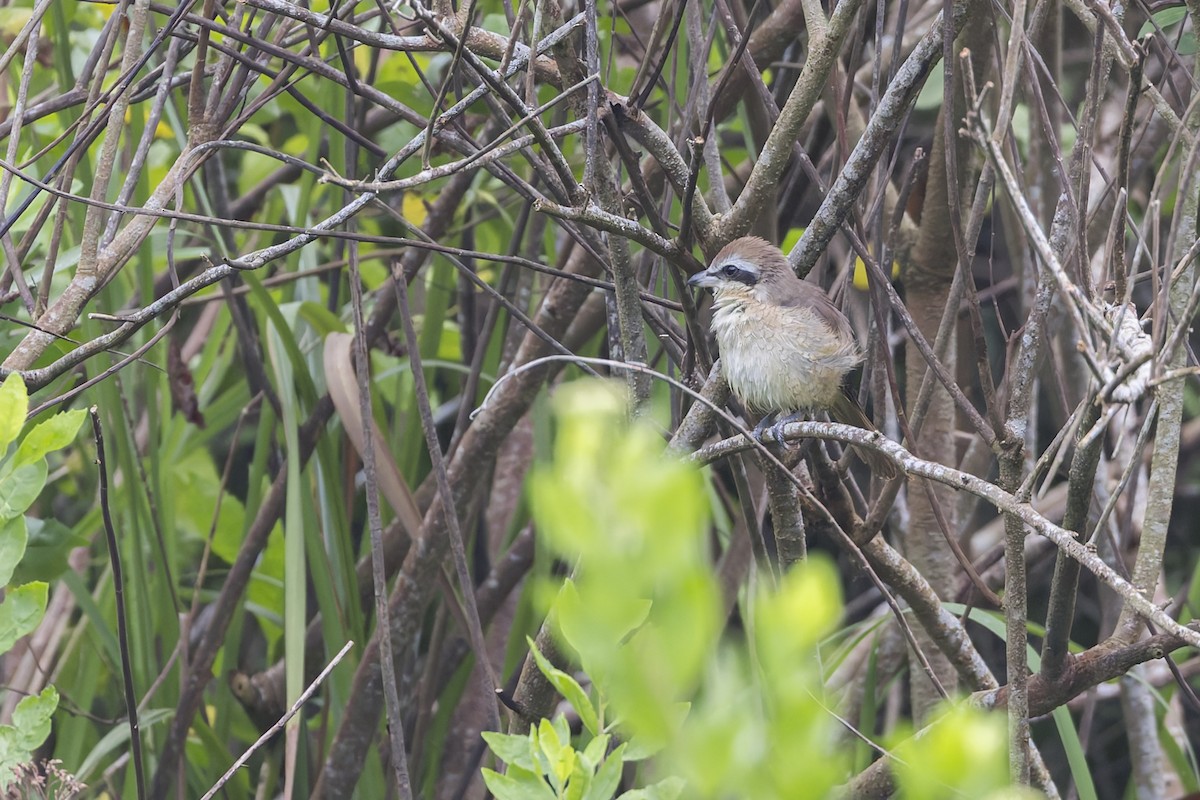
(763, 424)
(777, 428)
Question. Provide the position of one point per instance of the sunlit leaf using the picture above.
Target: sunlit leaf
(14, 403)
(511, 749)
(517, 784)
(49, 435)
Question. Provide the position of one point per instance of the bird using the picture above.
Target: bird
(785, 347)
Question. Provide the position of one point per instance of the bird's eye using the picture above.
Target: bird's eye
(736, 272)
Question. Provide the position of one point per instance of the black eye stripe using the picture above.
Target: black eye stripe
(735, 272)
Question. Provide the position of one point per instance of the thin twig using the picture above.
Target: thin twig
(278, 726)
(383, 621)
(457, 548)
(114, 555)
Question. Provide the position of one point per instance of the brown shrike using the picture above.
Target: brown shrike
(785, 347)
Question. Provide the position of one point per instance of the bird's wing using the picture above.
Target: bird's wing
(803, 294)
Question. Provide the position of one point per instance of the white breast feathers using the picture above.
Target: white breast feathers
(780, 359)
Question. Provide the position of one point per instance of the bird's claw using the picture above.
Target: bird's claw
(777, 428)
(770, 428)
(763, 424)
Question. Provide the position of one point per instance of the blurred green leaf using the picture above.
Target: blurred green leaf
(608, 776)
(931, 94)
(21, 611)
(667, 789)
(12, 19)
(962, 752)
(20, 486)
(116, 737)
(13, 540)
(321, 319)
(49, 545)
(793, 619)
(597, 747)
(1165, 19)
(14, 404)
(603, 502)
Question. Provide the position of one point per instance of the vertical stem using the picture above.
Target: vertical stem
(1015, 625)
(1160, 495)
(1141, 728)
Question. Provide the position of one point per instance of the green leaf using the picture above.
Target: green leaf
(1081, 773)
(21, 611)
(32, 716)
(31, 726)
(963, 751)
(791, 620)
(930, 97)
(110, 745)
(321, 319)
(512, 750)
(517, 784)
(558, 754)
(1165, 19)
(14, 404)
(20, 486)
(10, 755)
(581, 780)
(12, 546)
(563, 729)
(608, 777)
(13, 407)
(569, 688)
(592, 631)
(46, 551)
(50, 435)
(639, 748)
(13, 19)
(667, 789)
(547, 739)
(596, 748)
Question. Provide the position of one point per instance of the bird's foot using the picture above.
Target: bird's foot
(763, 424)
(777, 428)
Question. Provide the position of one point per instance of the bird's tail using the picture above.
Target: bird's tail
(848, 412)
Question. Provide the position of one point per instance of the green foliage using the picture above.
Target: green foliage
(544, 765)
(1170, 20)
(762, 698)
(962, 753)
(743, 717)
(673, 689)
(569, 688)
(22, 477)
(636, 523)
(30, 727)
(643, 613)
(21, 612)
(46, 549)
(1072, 747)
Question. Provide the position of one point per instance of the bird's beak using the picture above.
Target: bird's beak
(702, 279)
